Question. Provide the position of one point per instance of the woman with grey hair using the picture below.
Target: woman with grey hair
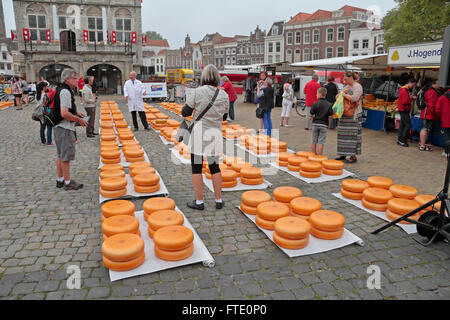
(228, 87)
(266, 102)
(89, 100)
(206, 137)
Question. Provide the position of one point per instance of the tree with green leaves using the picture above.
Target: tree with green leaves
(415, 21)
(153, 35)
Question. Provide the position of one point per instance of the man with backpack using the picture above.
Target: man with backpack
(427, 103)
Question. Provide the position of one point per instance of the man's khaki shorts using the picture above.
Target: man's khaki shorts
(65, 143)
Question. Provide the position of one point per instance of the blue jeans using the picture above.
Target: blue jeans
(49, 132)
(267, 122)
(231, 111)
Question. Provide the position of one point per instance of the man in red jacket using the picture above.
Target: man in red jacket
(404, 108)
(443, 111)
(310, 92)
(428, 116)
(228, 87)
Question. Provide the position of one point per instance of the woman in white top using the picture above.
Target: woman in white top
(206, 138)
(288, 101)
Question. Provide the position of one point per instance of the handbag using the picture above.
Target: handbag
(259, 113)
(184, 132)
(349, 108)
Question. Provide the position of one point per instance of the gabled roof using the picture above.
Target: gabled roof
(226, 40)
(157, 43)
(348, 10)
(300, 17)
(320, 15)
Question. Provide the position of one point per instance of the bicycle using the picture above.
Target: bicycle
(300, 107)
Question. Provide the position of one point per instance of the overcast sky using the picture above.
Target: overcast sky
(173, 19)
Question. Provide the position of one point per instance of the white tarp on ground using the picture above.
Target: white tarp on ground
(165, 141)
(239, 187)
(177, 158)
(270, 155)
(322, 178)
(153, 263)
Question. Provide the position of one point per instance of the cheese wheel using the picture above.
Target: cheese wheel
(157, 204)
(123, 247)
(142, 170)
(130, 143)
(284, 156)
(106, 125)
(141, 164)
(113, 194)
(124, 266)
(380, 182)
(403, 191)
(138, 159)
(286, 194)
(134, 152)
(293, 168)
(151, 232)
(327, 220)
(126, 136)
(424, 198)
(109, 143)
(113, 184)
(333, 164)
(265, 224)
(252, 182)
(247, 209)
(229, 175)
(112, 174)
(120, 124)
(352, 195)
(289, 243)
(229, 184)
(272, 210)
(373, 205)
(354, 185)
(327, 235)
(173, 238)
(120, 224)
(317, 158)
(146, 179)
(393, 216)
(147, 189)
(305, 206)
(296, 161)
(237, 166)
(282, 163)
(254, 197)
(110, 154)
(304, 154)
(402, 206)
(118, 207)
(377, 195)
(174, 255)
(164, 218)
(108, 137)
(251, 173)
(109, 149)
(111, 161)
(331, 172)
(310, 166)
(229, 160)
(308, 174)
(292, 228)
(293, 214)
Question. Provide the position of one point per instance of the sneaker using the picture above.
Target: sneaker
(219, 205)
(306, 128)
(444, 154)
(195, 206)
(281, 125)
(403, 144)
(59, 184)
(289, 125)
(73, 185)
(49, 144)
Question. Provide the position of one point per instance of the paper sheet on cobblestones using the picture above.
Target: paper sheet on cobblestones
(270, 155)
(408, 228)
(315, 245)
(177, 158)
(123, 160)
(322, 178)
(239, 187)
(153, 263)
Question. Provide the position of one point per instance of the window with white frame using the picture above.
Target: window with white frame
(228, 51)
(233, 51)
(37, 25)
(340, 51)
(330, 34)
(289, 38)
(270, 59)
(380, 50)
(4, 55)
(278, 47)
(123, 29)
(306, 55)
(95, 29)
(315, 55)
(297, 57)
(306, 36)
(277, 58)
(365, 44)
(380, 38)
(341, 34)
(289, 55)
(298, 37)
(329, 52)
(355, 44)
(270, 47)
(8, 66)
(316, 37)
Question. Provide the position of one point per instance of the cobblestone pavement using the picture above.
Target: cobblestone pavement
(43, 230)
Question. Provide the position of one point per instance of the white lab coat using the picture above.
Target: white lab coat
(135, 92)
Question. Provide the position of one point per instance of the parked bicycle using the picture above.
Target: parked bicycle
(300, 107)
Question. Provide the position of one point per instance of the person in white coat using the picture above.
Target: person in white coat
(133, 91)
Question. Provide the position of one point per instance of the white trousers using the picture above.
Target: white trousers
(287, 106)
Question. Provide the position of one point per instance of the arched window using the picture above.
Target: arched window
(341, 34)
(306, 55)
(329, 52)
(289, 38)
(306, 36)
(330, 34)
(340, 51)
(298, 37)
(297, 55)
(316, 37)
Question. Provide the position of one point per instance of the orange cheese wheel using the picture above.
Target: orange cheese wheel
(109, 143)
(272, 210)
(112, 174)
(327, 220)
(305, 206)
(354, 185)
(289, 243)
(305, 154)
(106, 125)
(293, 214)
(254, 197)
(130, 143)
(173, 238)
(317, 158)
(402, 206)
(247, 209)
(424, 198)
(393, 216)
(237, 166)
(120, 224)
(120, 124)
(333, 164)
(251, 173)
(139, 164)
(138, 159)
(118, 207)
(229, 175)
(126, 265)
(292, 228)
(380, 182)
(113, 184)
(308, 174)
(133, 152)
(282, 163)
(352, 195)
(377, 195)
(174, 255)
(113, 194)
(327, 235)
(108, 137)
(331, 172)
(373, 205)
(110, 154)
(109, 148)
(229, 160)
(151, 232)
(142, 170)
(284, 156)
(293, 168)
(265, 224)
(252, 182)
(164, 218)
(126, 136)
(147, 189)
(123, 247)
(286, 194)
(403, 191)
(296, 161)
(157, 204)
(311, 166)
(229, 184)
(146, 179)
(111, 161)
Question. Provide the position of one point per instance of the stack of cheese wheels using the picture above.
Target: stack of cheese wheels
(269, 212)
(278, 146)
(117, 208)
(317, 158)
(222, 167)
(121, 124)
(110, 155)
(310, 169)
(125, 135)
(332, 167)
(287, 194)
(303, 207)
(157, 204)
(173, 243)
(251, 199)
(229, 178)
(243, 140)
(130, 143)
(294, 163)
(111, 170)
(141, 170)
(230, 160)
(113, 187)
(146, 182)
(305, 154)
(398, 207)
(425, 198)
(107, 125)
(139, 164)
(133, 153)
(252, 176)
(404, 192)
(260, 145)
(380, 182)
(123, 252)
(238, 166)
(376, 198)
(327, 225)
(163, 218)
(291, 233)
(353, 188)
(120, 224)
(283, 158)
